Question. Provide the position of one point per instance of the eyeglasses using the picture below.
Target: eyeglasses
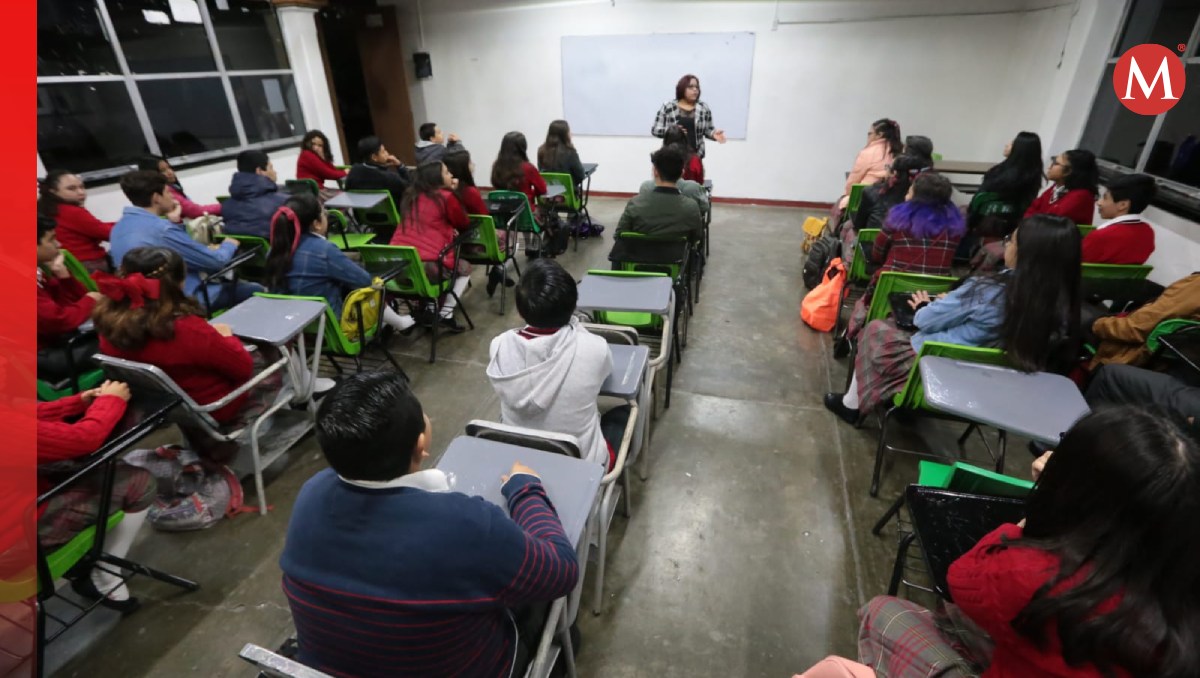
(1007, 239)
(1056, 163)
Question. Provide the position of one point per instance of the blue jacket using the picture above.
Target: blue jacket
(970, 315)
(138, 227)
(320, 269)
(252, 202)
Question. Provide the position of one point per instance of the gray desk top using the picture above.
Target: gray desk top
(571, 484)
(629, 366)
(589, 167)
(351, 200)
(271, 321)
(708, 184)
(1041, 405)
(962, 166)
(616, 293)
(555, 190)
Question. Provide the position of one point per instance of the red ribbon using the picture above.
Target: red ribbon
(287, 212)
(134, 287)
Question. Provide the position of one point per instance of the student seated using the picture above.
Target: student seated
(63, 304)
(883, 144)
(1138, 387)
(148, 318)
(1026, 310)
(548, 373)
(253, 196)
(316, 162)
(378, 170)
(462, 169)
(882, 196)
(693, 167)
(1125, 238)
(143, 224)
(558, 154)
(187, 208)
(1072, 193)
(512, 171)
(687, 188)
(74, 427)
(1014, 181)
(60, 197)
(433, 144)
(432, 219)
(382, 556)
(920, 147)
(1094, 581)
(304, 263)
(1122, 339)
(661, 212)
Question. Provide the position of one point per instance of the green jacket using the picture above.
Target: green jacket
(660, 212)
(686, 187)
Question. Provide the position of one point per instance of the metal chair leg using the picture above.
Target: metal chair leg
(879, 451)
(898, 566)
(888, 515)
(601, 555)
(1003, 451)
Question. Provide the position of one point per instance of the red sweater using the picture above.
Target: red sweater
(992, 583)
(62, 306)
(1123, 242)
(694, 170)
(1078, 205)
(312, 166)
(80, 233)
(532, 184)
(472, 200)
(58, 440)
(206, 365)
(432, 224)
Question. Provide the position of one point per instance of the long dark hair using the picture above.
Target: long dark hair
(48, 202)
(458, 161)
(306, 143)
(1019, 176)
(677, 136)
(1084, 172)
(508, 172)
(890, 130)
(285, 236)
(905, 169)
(1118, 503)
(129, 328)
(558, 140)
(427, 181)
(150, 163)
(1041, 298)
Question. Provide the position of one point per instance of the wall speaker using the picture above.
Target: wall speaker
(423, 64)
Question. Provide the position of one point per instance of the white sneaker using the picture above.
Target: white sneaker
(323, 384)
(110, 586)
(402, 323)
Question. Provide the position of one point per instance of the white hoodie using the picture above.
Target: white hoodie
(552, 382)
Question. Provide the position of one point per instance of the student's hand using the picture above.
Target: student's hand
(719, 135)
(1039, 465)
(518, 467)
(96, 296)
(223, 329)
(453, 138)
(114, 388)
(943, 295)
(58, 267)
(214, 246)
(89, 395)
(392, 161)
(175, 216)
(918, 298)
(1021, 524)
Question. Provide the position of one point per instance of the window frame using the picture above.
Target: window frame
(131, 80)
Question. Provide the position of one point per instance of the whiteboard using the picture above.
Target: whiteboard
(613, 85)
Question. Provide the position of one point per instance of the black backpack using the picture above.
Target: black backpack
(824, 250)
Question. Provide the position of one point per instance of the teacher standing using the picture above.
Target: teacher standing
(688, 112)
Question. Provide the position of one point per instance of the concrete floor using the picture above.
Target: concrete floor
(749, 549)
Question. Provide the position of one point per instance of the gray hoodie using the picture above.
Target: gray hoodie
(428, 151)
(551, 383)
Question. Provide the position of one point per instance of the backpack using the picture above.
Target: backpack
(813, 228)
(821, 253)
(189, 498)
(819, 309)
(369, 298)
(205, 229)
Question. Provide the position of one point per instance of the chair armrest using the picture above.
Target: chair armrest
(623, 451)
(277, 666)
(254, 381)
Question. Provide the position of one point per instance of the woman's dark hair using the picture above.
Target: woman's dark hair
(48, 202)
(1018, 177)
(1083, 173)
(1041, 298)
(920, 146)
(306, 143)
(905, 168)
(678, 137)
(45, 225)
(889, 130)
(427, 181)
(558, 139)
(547, 294)
(285, 235)
(508, 172)
(368, 426)
(1118, 503)
(129, 328)
(150, 163)
(681, 87)
(458, 161)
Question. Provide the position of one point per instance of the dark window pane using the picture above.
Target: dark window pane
(71, 40)
(269, 107)
(1163, 22)
(1176, 154)
(247, 34)
(87, 126)
(189, 116)
(161, 36)
(1114, 132)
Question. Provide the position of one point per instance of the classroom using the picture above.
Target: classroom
(780, 338)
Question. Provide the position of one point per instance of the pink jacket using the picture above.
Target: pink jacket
(870, 165)
(190, 209)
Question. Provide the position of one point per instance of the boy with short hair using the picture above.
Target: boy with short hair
(434, 144)
(1125, 238)
(253, 196)
(548, 373)
(388, 572)
(63, 304)
(663, 211)
(377, 169)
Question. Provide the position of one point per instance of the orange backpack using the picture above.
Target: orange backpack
(819, 309)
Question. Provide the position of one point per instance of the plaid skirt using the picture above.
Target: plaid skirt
(900, 639)
(213, 453)
(885, 357)
(75, 509)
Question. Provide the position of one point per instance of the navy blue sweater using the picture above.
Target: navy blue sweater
(400, 581)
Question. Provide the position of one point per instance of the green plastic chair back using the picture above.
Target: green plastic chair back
(856, 191)
(264, 248)
(570, 200)
(672, 269)
(912, 396)
(935, 156)
(482, 232)
(79, 272)
(891, 282)
(971, 479)
(1169, 327)
(1116, 271)
(858, 268)
(987, 204)
(525, 222)
(640, 321)
(221, 199)
(382, 218)
(64, 557)
(341, 237)
(335, 341)
(302, 186)
(46, 392)
(412, 282)
(1084, 229)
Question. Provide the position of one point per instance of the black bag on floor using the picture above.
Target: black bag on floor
(824, 250)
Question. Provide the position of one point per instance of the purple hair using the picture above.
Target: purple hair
(924, 220)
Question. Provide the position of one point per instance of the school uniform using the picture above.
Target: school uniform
(320, 269)
(253, 201)
(1127, 239)
(1078, 204)
(662, 212)
(80, 233)
(309, 165)
(431, 225)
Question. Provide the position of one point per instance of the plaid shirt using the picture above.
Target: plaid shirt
(900, 252)
(668, 116)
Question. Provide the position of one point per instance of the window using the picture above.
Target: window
(190, 79)
(1166, 146)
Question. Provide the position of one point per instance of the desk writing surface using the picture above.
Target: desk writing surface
(271, 321)
(634, 294)
(1041, 405)
(350, 200)
(571, 484)
(628, 368)
(962, 166)
(589, 168)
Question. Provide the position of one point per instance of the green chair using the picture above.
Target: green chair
(49, 391)
(573, 204)
(1169, 327)
(860, 273)
(525, 223)
(1084, 229)
(342, 238)
(1113, 282)
(672, 255)
(858, 278)
(481, 245)
(79, 272)
(413, 285)
(989, 215)
(302, 186)
(856, 192)
(911, 399)
(645, 324)
(336, 343)
(221, 199)
(256, 268)
(382, 219)
(935, 156)
(960, 477)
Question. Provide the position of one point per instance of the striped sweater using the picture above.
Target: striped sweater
(402, 581)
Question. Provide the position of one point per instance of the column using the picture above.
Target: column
(298, 23)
